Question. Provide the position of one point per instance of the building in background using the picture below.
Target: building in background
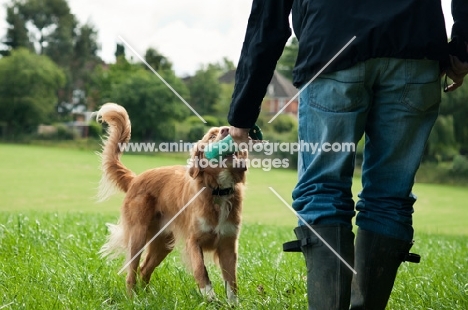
(279, 92)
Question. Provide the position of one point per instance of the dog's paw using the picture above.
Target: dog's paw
(208, 292)
(230, 294)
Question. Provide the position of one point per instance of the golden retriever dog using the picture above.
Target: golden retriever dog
(153, 210)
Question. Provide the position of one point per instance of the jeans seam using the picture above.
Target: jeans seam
(404, 98)
(351, 108)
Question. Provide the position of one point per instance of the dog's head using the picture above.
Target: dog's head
(199, 163)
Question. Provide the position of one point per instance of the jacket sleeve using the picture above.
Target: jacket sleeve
(266, 35)
(460, 20)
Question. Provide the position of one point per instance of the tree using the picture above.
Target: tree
(104, 79)
(455, 103)
(222, 66)
(85, 56)
(50, 27)
(441, 144)
(17, 34)
(205, 90)
(86, 46)
(119, 51)
(28, 88)
(156, 60)
(152, 107)
(287, 60)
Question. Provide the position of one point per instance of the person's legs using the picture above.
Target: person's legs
(405, 107)
(332, 114)
(328, 278)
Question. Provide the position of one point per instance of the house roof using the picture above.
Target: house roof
(282, 86)
(279, 87)
(228, 77)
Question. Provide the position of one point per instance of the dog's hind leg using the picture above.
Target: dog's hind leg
(137, 242)
(156, 252)
(200, 273)
(227, 257)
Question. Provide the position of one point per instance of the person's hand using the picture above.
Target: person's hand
(456, 72)
(239, 135)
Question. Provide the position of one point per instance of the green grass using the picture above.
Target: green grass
(51, 229)
(49, 261)
(55, 179)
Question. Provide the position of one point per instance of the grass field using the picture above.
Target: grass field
(51, 229)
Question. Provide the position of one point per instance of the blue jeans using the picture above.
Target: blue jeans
(394, 103)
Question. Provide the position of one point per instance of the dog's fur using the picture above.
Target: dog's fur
(153, 198)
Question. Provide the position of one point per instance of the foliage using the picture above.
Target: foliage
(28, 87)
(17, 33)
(104, 78)
(205, 90)
(65, 133)
(222, 66)
(192, 120)
(119, 51)
(207, 95)
(195, 133)
(152, 107)
(285, 123)
(61, 132)
(84, 56)
(212, 121)
(441, 144)
(48, 28)
(157, 61)
(460, 165)
(225, 101)
(86, 45)
(287, 60)
(455, 103)
(192, 129)
(95, 130)
(282, 130)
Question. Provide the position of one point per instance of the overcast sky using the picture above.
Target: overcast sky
(188, 32)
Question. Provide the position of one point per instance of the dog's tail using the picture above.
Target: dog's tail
(115, 176)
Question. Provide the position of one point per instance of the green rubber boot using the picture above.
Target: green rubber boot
(376, 262)
(328, 278)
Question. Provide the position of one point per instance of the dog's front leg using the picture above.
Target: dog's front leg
(227, 254)
(200, 273)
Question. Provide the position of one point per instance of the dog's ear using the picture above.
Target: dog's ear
(197, 155)
(193, 171)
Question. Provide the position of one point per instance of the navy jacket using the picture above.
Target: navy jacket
(409, 29)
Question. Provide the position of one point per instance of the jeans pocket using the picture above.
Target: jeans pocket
(340, 91)
(422, 90)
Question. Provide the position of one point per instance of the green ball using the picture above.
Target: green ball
(220, 148)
